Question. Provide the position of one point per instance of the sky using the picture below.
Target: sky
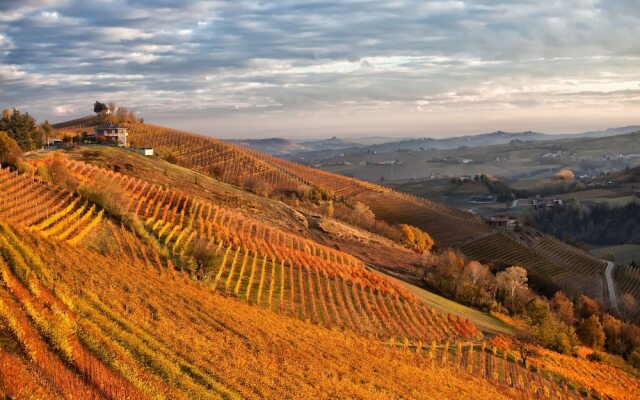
(310, 69)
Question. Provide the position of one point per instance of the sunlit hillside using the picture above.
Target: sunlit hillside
(130, 277)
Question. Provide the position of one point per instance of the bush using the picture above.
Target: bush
(258, 186)
(58, 174)
(107, 194)
(595, 356)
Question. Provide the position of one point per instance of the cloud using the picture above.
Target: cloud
(291, 62)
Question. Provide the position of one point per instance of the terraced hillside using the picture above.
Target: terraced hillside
(548, 258)
(109, 316)
(627, 280)
(573, 272)
(50, 211)
(283, 272)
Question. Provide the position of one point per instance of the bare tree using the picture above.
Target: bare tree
(527, 341)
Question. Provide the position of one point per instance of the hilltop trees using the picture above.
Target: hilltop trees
(100, 108)
(22, 128)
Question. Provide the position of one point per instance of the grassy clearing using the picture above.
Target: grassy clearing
(488, 324)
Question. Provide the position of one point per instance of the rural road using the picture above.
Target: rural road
(608, 273)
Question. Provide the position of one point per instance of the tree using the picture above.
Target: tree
(538, 311)
(562, 306)
(628, 305)
(512, 280)
(415, 238)
(122, 114)
(363, 216)
(22, 128)
(591, 333)
(475, 271)
(526, 340)
(587, 307)
(112, 107)
(10, 153)
(99, 107)
(47, 129)
(202, 256)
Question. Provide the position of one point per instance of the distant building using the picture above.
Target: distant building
(54, 142)
(503, 222)
(145, 152)
(111, 133)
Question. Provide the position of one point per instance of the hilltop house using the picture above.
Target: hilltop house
(111, 133)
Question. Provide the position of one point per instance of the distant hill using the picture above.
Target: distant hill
(279, 146)
(273, 146)
(319, 149)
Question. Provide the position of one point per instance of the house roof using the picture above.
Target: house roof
(109, 125)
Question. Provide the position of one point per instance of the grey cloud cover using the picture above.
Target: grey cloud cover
(315, 68)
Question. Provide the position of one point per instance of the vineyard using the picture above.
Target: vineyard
(283, 272)
(566, 268)
(122, 326)
(29, 202)
(235, 164)
(627, 279)
(575, 272)
(190, 298)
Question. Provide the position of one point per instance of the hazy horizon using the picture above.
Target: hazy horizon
(323, 69)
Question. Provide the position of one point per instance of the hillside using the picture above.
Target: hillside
(95, 284)
(551, 261)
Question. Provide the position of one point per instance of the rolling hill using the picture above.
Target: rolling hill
(450, 227)
(164, 280)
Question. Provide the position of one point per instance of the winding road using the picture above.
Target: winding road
(613, 299)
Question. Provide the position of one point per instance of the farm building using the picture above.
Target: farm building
(504, 222)
(111, 133)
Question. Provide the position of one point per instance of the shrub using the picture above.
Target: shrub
(595, 356)
(107, 194)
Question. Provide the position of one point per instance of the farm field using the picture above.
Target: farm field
(522, 162)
